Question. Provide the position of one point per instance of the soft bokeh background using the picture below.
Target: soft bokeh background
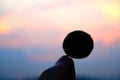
(32, 31)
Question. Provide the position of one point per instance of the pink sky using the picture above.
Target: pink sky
(31, 23)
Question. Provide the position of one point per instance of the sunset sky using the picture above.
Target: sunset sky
(32, 32)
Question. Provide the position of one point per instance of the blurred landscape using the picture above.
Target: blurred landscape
(77, 78)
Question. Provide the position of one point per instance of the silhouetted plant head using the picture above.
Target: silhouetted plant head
(78, 44)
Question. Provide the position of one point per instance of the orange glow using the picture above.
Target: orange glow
(4, 28)
(110, 9)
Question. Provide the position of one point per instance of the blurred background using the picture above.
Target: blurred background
(32, 32)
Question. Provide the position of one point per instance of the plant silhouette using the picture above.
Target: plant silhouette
(77, 44)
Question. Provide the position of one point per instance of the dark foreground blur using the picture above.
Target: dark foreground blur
(78, 78)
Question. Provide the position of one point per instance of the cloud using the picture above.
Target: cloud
(31, 19)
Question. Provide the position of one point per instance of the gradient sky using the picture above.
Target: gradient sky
(32, 31)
